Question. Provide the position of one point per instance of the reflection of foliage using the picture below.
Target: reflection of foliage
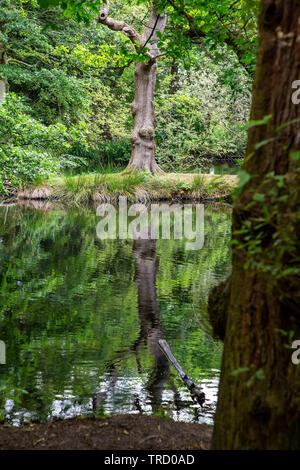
(184, 281)
(68, 303)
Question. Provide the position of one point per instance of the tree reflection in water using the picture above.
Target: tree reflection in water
(81, 316)
(146, 268)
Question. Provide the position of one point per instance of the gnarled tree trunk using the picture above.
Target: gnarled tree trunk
(259, 400)
(142, 138)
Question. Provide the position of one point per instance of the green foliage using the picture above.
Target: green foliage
(31, 151)
(205, 118)
(74, 79)
(213, 22)
(116, 151)
(268, 237)
(105, 157)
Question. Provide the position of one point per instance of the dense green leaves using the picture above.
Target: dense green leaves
(29, 150)
(74, 79)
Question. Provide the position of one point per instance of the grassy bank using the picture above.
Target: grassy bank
(137, 186)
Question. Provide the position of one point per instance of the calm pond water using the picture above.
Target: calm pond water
(217, 169)
(80, 317)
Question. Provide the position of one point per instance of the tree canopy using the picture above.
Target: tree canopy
(70, 85)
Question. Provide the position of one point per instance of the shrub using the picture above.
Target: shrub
(30, 150)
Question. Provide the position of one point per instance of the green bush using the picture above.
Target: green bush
(115, 152)
(109, 155)
(29, 150)
(203, 119)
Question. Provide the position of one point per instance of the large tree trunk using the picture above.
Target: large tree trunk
(259, 404)
(142, 138)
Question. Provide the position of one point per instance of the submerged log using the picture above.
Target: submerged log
(195, 391)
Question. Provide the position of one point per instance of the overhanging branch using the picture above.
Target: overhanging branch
(120, 26)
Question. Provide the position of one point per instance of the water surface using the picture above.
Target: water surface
(80, 317)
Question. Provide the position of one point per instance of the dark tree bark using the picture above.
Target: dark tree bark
(3, 81)
(174, 85)
(142, 138)
(259, 404)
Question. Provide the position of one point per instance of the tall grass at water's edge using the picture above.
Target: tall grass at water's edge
(136, 186)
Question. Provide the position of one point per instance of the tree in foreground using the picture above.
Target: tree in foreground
(259, 395)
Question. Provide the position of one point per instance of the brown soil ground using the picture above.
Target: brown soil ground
(124, 432)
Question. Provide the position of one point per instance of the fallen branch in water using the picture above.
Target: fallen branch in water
(195, 391)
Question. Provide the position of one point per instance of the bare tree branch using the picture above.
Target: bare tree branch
(120, 26)
(19, 62)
